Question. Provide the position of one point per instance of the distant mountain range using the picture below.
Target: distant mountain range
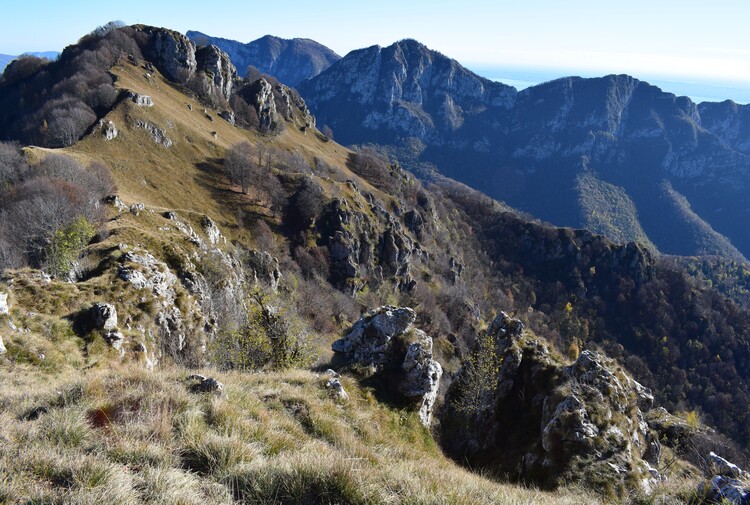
(5, 59)
(290, 61)
(612, 154)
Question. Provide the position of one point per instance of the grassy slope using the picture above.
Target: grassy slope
(75, 428)
(128, 436)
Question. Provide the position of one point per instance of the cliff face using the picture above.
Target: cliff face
(681, 168)
(290, 61)
(404, 90)
(518, 409)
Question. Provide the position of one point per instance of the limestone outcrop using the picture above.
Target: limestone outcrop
(548, 422)
(400, 355)
(141, 100)
(104, 316)
(359, 249)
(218, 72)
(171, 52)
(4, 305)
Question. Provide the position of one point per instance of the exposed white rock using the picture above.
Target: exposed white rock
(108, 129)
(143, 357)
(3, 350)
(104, 316)
(115, 201)
(158, 135)
(728, 490)
(370, 342)
(203, 384)
(371, 347)
(723, 467)
(218, 71)
(422, 375)
(172, 53)
(335, 384)
(212, 231)
(4, 306)
(141, 100)
(117, 341)
(265, 268)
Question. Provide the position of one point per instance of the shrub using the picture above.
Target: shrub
(66, 246)
(478, 380)
(274, 336)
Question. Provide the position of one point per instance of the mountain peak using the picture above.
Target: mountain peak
(405, 89)
(289, 60)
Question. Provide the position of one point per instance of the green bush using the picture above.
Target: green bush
(273, 336)
(66, 246)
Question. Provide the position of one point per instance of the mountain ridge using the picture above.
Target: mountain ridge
(236, 249)
(289, 60)
(529, 151)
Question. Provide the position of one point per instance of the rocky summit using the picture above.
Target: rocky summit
(611, 154)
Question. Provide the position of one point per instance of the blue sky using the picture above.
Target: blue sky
(703, 40)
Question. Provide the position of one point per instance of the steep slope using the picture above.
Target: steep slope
(530, 148)
(404, 90)
(203, 272)
(291, 61)
(729, 121)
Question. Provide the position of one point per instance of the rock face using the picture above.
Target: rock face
(143, 271)
(358, 248)
(723, 467)
(104, 316)
(386, 341)
(555, 150)
(729, 483)
(403, 90)
(3, 350)
(276, 103)
(728, 490)
(4, 306)
(171, 52)
(265, 268)
(178, 59)
(547, 422)
(212, 231)
(290, 61)
(218, 72)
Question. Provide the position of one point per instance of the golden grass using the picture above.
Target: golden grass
(188, 176)
(128, 436)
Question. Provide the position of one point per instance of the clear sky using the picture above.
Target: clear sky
(687, 38)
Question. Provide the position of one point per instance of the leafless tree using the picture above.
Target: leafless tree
(13, 167)
(240, 165)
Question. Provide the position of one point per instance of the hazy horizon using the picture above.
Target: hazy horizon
(686, 47)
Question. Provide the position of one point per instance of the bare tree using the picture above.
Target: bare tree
(240, 164)
(13, 167)
(69, 120)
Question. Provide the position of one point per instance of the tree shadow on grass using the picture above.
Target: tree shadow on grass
(211, 176)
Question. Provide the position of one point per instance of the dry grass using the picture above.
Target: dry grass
(128, 436)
